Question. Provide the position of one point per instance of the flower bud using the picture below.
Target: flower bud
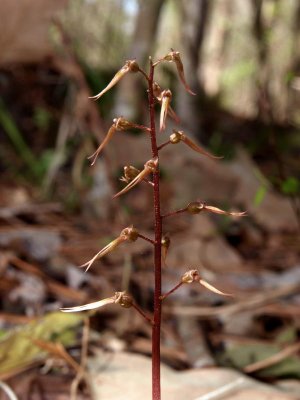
(152, 164)
(130, 173)
(130, 234)
(190, 276)
(195, 207)
(123, 299)
(176, 137)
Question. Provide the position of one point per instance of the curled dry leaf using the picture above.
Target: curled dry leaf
(121, 298)
(166, 98)
(174, 56)
(127, 234)
(149, 168)
(129, 66)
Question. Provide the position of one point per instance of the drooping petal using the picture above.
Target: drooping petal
(165, 103)
(142, 175)
(174, 56)
(130, 66)
(107, 138)
(180, 70)
(212, 288)
(157, 91)
(90, 306)
(197, 148)
(107, 249)
(217, 210)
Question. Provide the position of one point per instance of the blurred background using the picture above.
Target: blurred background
(242, 59)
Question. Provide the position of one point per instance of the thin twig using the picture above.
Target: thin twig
(146, 238)
(163, 145)
(141, 312)
(274, 359)
(170, 214)
(223, 390)
(171, 291)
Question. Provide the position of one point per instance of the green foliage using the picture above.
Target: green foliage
(17, 350)
(260, 195)
(42, 118)
(290, 186)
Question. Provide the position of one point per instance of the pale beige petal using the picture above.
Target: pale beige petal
(89, 306)
(212, 288)
(217, 210)
(142, 175)
(119, 75)
(197, 148)
(107, 138)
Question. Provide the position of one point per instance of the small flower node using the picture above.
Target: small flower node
(149, 167)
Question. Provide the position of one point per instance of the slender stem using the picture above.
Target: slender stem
(141, 312)
(146, 238)
(171, 291)
(157, 249)
(144, 74)
(170, 214)
(141, 127)
(164, 144)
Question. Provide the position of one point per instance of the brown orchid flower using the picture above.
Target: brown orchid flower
(149, 168)
(130, 172)
(174, 56)
(166, 97)
(193, 276)
(196, 207)
(180, 136)
(119, 124)
(129, 66)
(127, 234)
(157, 91)
(121, 298)
(165, 244)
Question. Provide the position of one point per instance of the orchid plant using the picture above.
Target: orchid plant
(151, 175)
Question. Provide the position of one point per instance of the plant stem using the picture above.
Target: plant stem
(157, 249)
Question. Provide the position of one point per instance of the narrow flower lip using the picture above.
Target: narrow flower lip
(157, 91)
(217, 210)
(107, 249)
(174, 56)
(166, 97)
(129, 66)
(89, 306)
(112, 130)
(213, 289)
(121, 298)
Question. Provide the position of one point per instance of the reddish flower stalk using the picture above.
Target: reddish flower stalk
(156, 327)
